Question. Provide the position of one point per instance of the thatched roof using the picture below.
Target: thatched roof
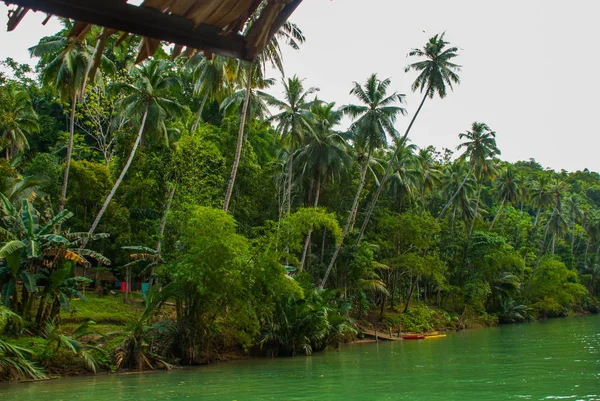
(212, 26)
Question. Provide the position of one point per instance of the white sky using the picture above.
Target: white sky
(529, 67)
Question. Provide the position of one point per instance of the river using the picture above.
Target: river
(553, 359)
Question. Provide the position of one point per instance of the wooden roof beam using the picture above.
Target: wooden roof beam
(119, 15)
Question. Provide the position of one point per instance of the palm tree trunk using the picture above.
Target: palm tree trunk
(476, 211)
(349, 222)
(63, 196)
(289, 178)
(573, 236)
(388, 169)
(163, 220)
(161, 230)
(307, 242)
(462, 184)
(410, 293)
(199, 115)
(498, 213)
(240, 141)
(136, 144)
(127, 283)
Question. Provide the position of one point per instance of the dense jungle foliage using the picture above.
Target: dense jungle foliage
(260, 224)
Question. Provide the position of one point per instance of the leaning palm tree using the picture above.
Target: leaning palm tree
(480, 146)
(437, 72)
(149, 99)
(374, 121)
(271, 54)
(293, 121)
(17, 119)
(65, 62)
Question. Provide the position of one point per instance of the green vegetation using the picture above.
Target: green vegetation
(260, 233)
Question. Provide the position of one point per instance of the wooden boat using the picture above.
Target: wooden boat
(413, 336)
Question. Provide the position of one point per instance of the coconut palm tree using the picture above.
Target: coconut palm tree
(293, 121)
(508, 188)
(428, 174)
(437, 73)
(451, 177)
(324, 155)
(65, 62)
(149, 98)
(576, 209)
(271, 54)
(258, 107)
(17, 119)
(480, 147)
(374, 121)
(405, 179)
(210, 80)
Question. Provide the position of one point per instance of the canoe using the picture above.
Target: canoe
(436, 336)
(413, 336)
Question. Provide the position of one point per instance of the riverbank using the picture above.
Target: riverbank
(550, 359)
(109, 321)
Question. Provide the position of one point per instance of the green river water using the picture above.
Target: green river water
(554, 359)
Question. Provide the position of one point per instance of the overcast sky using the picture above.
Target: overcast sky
(529, 67)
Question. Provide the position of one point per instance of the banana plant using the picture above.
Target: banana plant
(35, 252)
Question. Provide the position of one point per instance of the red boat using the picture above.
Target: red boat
(413, 336)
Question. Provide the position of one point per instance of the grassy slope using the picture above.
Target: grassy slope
(112, 319)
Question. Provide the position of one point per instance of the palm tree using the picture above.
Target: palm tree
(258, 106)
(508, 189)
(451, 177)
(17, 119)
(148, 98)
(65, 63)
(374, 121)
(324, 155)
(406, 178)
(576, 210)
(541, 198)
(480, 146)
(428, 174)
(293, 121)
(437, 72)
(210, 80)
(292, 36)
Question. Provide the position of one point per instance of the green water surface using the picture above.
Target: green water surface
(554, 359)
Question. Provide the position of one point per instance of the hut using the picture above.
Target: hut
(236, 28)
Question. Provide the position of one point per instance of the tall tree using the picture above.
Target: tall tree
(437, 72)
(210, 80)
(324, 155)
(428, 174)
(65, 62)
(480, 146)
(508, 189)
(374, 121)
(149, 100)
(293, 121)
(293, 37)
